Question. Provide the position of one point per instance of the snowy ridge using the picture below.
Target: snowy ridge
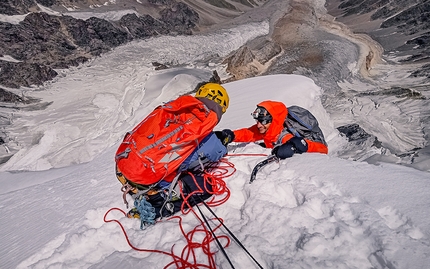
(309, 211)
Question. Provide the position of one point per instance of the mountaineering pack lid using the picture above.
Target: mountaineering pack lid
(262, 115)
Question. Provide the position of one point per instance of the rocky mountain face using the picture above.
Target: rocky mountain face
(38, 37)
(299, 42)
(42, 42)
(49, 42)
(402, 27)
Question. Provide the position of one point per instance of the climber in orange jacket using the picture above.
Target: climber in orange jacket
(286, 134)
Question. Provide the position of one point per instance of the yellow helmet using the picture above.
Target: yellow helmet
(215, 92)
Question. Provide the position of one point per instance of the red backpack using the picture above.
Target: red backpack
(157, 146)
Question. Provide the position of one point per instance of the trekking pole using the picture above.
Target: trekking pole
(231, 233)
(223, 225)
(207, 223)
(260, 165)
(216, 238)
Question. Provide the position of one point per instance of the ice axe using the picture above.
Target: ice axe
(260, 165)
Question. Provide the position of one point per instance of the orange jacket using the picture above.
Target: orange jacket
(279, 113)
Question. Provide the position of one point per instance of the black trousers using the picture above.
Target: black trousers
(190, 184)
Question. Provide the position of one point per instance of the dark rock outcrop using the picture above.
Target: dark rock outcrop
(180, 17)
(252, 59)
(42, 42)
(14, 75)
(354, 133)
(14, 7)
(8, 97)
(161, 2)
(142, 26)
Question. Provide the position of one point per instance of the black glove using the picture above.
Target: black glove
(226, 136)
(299, 144)
(287, 150)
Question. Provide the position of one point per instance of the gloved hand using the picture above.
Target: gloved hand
(226, 136)
(283, 151)
(275, 151)
(294, 145)
(299, 144)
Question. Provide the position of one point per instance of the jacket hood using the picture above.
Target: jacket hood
(279, 112)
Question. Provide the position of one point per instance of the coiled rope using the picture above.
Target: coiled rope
(214, 175)
(146, 212)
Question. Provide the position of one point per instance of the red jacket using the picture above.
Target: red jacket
(279, 113)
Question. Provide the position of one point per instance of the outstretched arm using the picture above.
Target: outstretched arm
(250, 134)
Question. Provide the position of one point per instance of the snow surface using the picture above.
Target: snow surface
(309, 211)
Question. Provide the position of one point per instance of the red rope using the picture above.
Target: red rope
(247, 154)
(214, 176)
(188, 260)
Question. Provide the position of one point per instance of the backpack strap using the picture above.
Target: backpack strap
(288, 128)
(281, 136)
(172, 194)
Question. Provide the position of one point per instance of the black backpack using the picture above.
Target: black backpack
(301, 123)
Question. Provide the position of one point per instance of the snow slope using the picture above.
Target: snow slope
(309, 211)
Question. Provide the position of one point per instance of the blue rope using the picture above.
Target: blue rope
(146, 212)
